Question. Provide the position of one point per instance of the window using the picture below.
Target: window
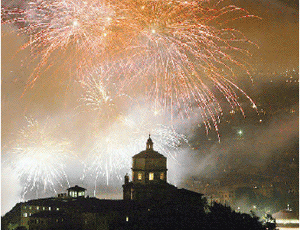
(25, 214)
(37, 207)
(162, 176)
(127, 218)
(49, 208)
(139, 176)
(151, 176)
(80, 193)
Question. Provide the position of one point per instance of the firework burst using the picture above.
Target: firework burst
(102, 100)
(179, 53)
(71, 33)
(38, 158)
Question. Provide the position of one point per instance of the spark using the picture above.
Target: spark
(38, 158)
(96, 96)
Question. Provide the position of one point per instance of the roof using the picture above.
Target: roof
(158, 185)
(91, 204)
(285, 214)
(149, 154)
(184, 191)
(76, 188)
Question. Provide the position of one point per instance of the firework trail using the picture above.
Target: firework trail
(176, 52)
(102, 101)
(180, 54)
(73, 33)
(38, 158)
(96, 95)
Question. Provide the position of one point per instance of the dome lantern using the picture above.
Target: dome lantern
(149, 144)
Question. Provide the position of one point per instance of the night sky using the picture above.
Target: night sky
(264, 141)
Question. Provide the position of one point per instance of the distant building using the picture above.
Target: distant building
(222, 195)
(286, 220)
(213, 190)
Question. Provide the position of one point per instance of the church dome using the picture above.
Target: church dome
(149, 173)
(149, 154)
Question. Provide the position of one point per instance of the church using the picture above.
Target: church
(148, 200)
(149, 176)
(149, 180)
